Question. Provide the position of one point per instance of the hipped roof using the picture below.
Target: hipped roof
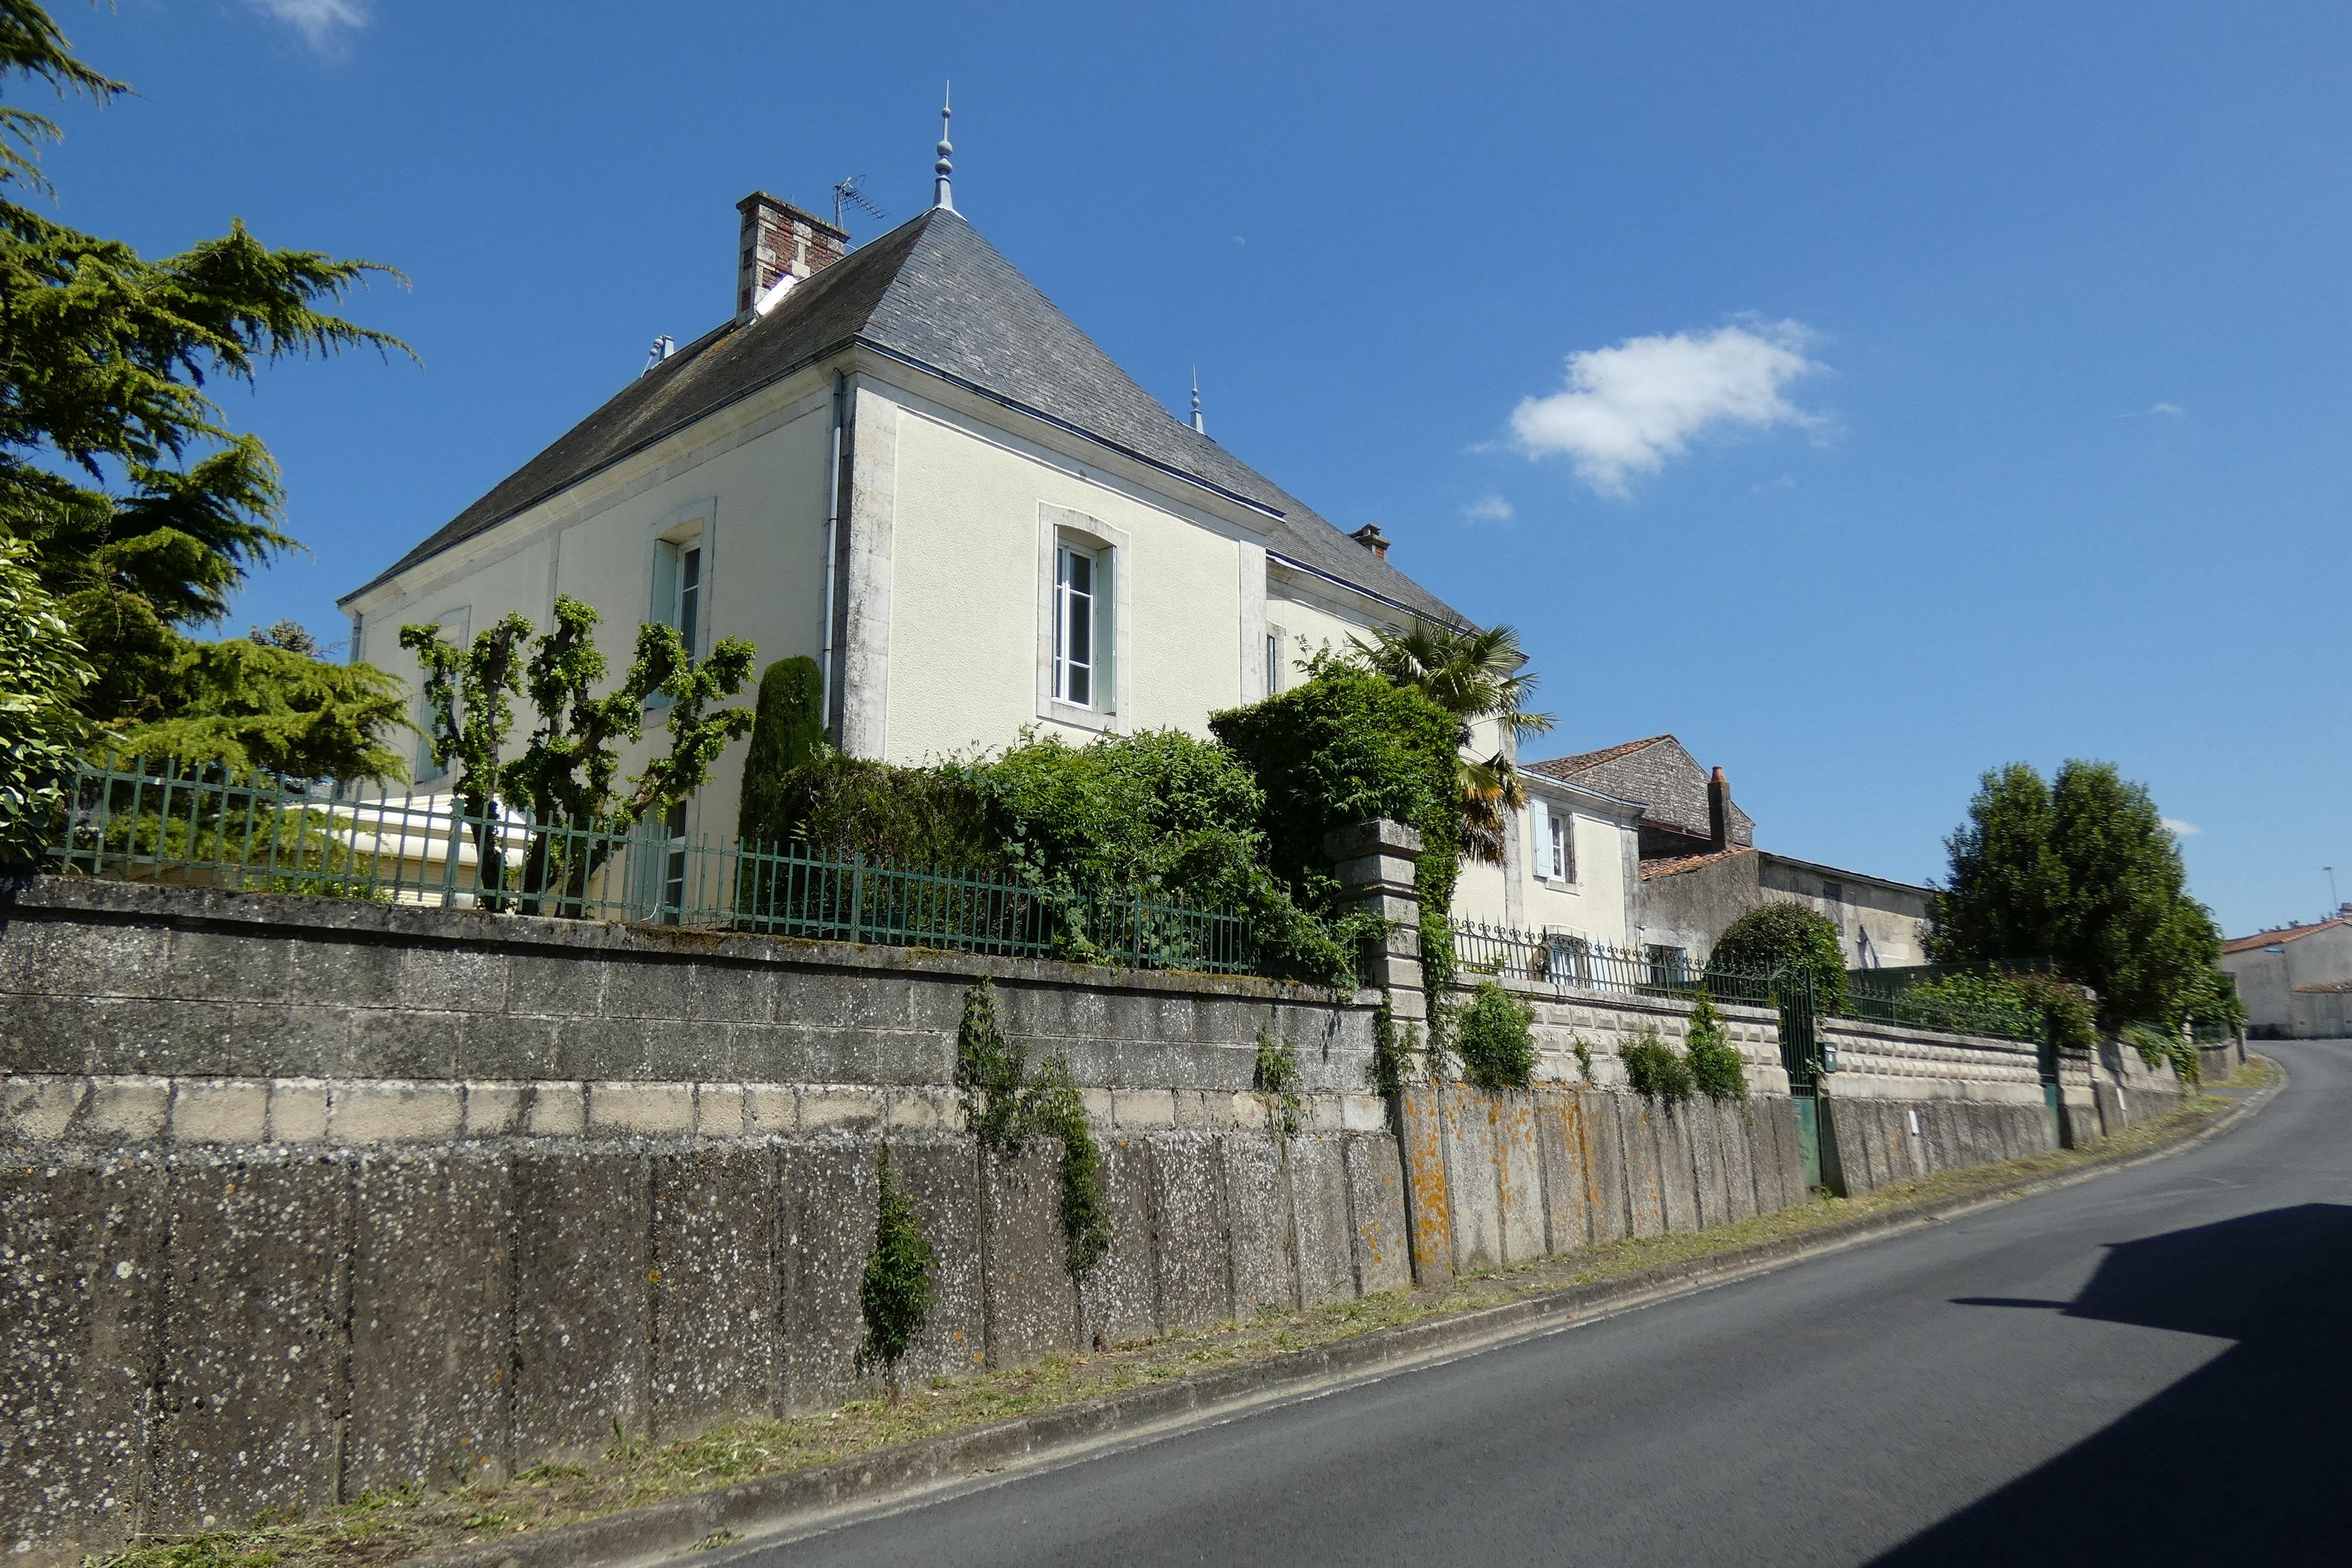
(935, 295)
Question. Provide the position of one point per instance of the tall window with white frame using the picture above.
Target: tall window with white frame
(678, 588)
(1562, 848)
(673, 893)
(690, 594)
(1077, 572)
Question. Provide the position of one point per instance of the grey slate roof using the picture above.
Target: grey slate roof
(934, 293)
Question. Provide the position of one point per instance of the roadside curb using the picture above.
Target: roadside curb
(774, 1506)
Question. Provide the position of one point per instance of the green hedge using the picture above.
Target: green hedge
(1778, 936)
(1344, 747)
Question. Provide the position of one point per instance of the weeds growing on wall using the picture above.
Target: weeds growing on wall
(1276, 1080)
(1716, 1067)
(1395, 1046)
(897, 1293)
(1583, 1057)
(2070, 1019)
(1056, 1110)
(2157, 1047)
(1654, 1070)
(1494, 1037)
(988, 1074)
(1006, 1107)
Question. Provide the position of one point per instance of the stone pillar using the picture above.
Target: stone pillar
(1374, 861)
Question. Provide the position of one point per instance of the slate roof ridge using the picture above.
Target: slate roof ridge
(934, 292)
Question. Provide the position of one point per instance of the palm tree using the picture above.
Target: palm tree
(1475, 676)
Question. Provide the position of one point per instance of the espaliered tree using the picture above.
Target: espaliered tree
(564, 786)
(141, 509)
(2078, 875)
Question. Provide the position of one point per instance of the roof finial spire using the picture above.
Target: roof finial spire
(1204, 430)
(940, 196)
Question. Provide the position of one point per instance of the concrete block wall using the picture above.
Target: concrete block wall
(201, 1333)
(1905, 1103)
(303, 1196)
(1508, 1176)
(1579, 1159)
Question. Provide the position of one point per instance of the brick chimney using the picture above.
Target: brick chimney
(1719, 812)
(1371, 537)
(777, 238)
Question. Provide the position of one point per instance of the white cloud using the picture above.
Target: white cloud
(323, 23)
(1768, 487)
(1490, 508)
(2180, 829)
(1625, 410)
(2155, 410)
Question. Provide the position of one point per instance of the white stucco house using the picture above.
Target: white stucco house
(904, 461)
(2295, 981)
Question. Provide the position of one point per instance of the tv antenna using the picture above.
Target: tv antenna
(845, 195)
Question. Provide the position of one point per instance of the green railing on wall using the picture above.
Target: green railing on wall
(159, 825)
(1569, 963)
(1894, 996)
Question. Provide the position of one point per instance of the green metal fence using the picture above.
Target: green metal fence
(1569, 963)
(1942, 998)
(158, 825)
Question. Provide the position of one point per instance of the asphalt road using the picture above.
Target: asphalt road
(2152, 1367)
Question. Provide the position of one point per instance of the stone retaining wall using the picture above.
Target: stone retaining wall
(304, 1196)
(198, 1334)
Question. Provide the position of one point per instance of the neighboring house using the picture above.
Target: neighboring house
(1677, 809)
(2296, 981)
(1573, 867)
(905, 462)
(1700, 868)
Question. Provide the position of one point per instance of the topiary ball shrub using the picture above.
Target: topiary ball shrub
(1495, 1038)
(1654, 1070)
(1774, 936)
(1716, 1065)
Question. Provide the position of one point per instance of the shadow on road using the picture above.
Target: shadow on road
(2246, 1460)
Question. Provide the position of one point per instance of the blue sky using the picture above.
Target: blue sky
(1867, 396)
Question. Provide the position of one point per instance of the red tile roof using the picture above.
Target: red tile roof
(1680, 863)
(2284, 934)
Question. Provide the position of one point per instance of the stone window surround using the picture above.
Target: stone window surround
(1112, 545)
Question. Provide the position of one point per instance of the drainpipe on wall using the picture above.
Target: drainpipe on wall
(826, 680)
